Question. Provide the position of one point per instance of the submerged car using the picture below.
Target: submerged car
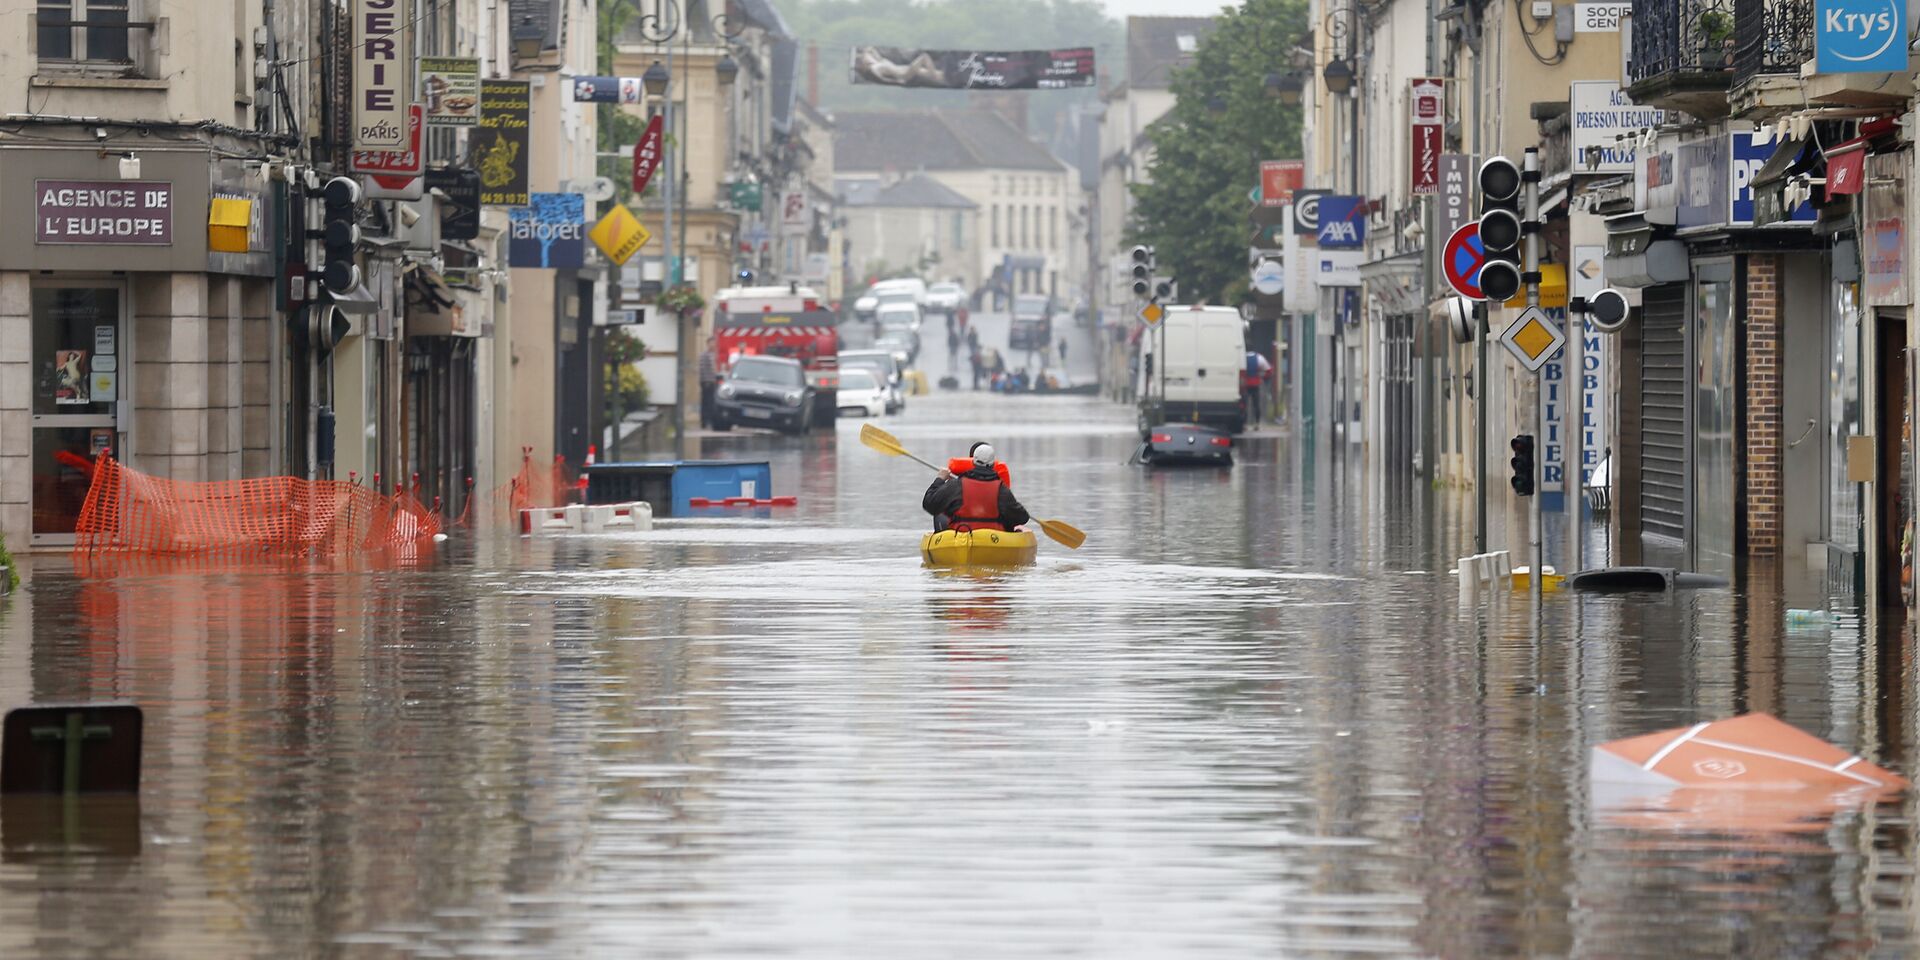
(765, 392)
(861, 394)
(884, 368)
(1191, 444)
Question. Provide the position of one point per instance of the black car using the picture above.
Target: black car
(1177, 444)
(765, 392)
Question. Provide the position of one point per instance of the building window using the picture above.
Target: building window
(996, 225)
(996, 184)
(959, 230)
(1023, 226)
(86, 31)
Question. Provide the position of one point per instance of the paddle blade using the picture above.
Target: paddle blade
(881, 440)
(1065, 534)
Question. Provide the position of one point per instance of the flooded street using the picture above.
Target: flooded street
(1247, 719)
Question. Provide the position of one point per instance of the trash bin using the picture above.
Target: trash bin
(668, 485)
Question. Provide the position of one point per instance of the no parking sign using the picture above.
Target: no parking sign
(1461, 260)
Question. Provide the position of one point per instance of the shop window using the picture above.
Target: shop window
(996, 225)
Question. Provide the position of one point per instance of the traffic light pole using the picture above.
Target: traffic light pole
(1530, 274)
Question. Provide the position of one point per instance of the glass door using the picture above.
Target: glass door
(1715, 416)
(79, 370)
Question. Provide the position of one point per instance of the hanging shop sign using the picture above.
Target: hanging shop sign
(1269, 277)
(619, 235)
(1279, 180)
(500, 144)
(1428, 99)
(646, 155)
(1456, 192)
(974, 69)
(1306, 212)
(549, 233)
(628, 90)
(460, 209)
(1860, 36)
(1606, 125)
(382, 74)
(103, 211)
(451, 88)
(1343, 222)
(1884, 244)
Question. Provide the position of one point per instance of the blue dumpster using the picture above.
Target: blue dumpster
(668, 485)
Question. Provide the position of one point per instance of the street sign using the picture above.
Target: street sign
(1533, 339)
(1269, 277)
(1152, 314)
(1306, 212)
(619, 235)
(1461, 260)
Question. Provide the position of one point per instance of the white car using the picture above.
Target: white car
(884, 368)
(945, 297)
(861, 394)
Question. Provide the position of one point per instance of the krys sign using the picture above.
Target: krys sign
(1860, 36)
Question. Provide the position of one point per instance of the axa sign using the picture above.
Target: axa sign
(1860, 36)
(1343, 221)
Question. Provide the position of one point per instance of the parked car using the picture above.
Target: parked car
(945, 298)
(1186, 444)
(912, 286)
(885, 368)
(765, 391)
(900, 315)
(861, 394)
(1199, 382)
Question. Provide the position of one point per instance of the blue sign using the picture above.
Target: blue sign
(1343, 222)
(1751, 151)
(1860, 36)
(549, 232)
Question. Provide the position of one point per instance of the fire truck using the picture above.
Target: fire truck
(790, 321)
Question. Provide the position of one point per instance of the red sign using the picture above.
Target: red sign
(1846, 168)
(392, 169)
(646, 155)
(1462, 259)
(1279, 179)
(1429, 117)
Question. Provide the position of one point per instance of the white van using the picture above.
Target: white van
(1205, 350)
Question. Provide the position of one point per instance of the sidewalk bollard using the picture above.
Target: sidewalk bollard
(1469, 574)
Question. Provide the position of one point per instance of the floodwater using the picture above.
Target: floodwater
(1248, 719)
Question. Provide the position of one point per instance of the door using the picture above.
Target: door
(79, 369)
(1893, 487)
(1715, 416)
(1663, 413)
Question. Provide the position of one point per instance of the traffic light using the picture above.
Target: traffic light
(1166, 290)
(340, 235)
(1143, 266)
(1522, 464)
(1500, 229)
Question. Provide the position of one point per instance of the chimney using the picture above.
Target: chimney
(813, 74)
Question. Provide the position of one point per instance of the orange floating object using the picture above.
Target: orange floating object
(1751, 751)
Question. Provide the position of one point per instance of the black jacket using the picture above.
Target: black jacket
(943, 499)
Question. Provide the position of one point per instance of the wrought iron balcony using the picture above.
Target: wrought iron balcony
(1683, 54)
(1771, 37)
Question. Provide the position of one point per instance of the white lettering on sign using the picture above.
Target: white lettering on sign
(103, 211)
(1601, 17)
(547, 230)
(1606, 123)
(1862, 25)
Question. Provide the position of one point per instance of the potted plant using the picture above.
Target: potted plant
(8, 577)
(1716, 38)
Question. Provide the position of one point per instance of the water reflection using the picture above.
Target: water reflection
(1248, 719)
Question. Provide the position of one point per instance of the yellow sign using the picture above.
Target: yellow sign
(619, 235)
(1533, 338)
(228, 220)
(1553, 288)
(1153, 313)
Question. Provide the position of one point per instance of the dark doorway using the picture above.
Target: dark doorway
(1893, 492)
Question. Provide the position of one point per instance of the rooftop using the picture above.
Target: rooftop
(908, 140)
(917, 190)
(1158, 46)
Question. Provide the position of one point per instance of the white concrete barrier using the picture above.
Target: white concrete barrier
(619, 517)
(547, 521)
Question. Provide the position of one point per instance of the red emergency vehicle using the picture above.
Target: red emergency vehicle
(789, 321)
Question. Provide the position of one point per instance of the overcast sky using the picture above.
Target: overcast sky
(1165, 8)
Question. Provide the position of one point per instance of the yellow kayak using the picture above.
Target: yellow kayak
(981, 548)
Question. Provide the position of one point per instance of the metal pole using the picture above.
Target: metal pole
(1530, 269)
(1480, 426)
(1576, 496)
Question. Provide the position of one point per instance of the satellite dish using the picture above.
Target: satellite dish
(601, 191)
(1608, 310)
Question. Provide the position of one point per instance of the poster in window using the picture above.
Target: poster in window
(72, 384)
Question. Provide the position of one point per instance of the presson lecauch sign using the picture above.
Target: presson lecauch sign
(382, 74)
(1607, 122)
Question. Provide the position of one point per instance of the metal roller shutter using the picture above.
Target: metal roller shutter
(1663, 411)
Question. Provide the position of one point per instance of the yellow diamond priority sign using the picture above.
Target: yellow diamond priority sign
(619, 235)
(1153, 313)
(1533, 338)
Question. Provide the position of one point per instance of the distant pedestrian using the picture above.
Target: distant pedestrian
(1253, 384)
(973, 340)
(709, 382)
(979, 366)
(1063, 351)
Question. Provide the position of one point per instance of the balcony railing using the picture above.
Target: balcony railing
(1771, 37)
(1685, 40)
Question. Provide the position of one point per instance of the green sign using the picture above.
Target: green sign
(745, 195)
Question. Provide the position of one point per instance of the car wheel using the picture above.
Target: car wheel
(722, 424)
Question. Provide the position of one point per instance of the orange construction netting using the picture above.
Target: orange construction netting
(128, 510)
(530, 489)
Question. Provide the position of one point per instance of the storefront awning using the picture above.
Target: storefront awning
(435, 309)
(1638, 256)
(1847, 167)
(1396, 282)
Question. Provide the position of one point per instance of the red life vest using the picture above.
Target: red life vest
(979, 506)
(960, 465)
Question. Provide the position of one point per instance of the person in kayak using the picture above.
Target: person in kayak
(974, 492)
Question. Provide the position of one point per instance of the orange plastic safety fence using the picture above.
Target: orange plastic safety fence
(129, 510)
(530, 489)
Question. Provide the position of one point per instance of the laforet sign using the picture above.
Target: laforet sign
(103, 211)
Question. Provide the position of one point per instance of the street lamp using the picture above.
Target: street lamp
(655, 79)
(1338, 75)
(1285, 86)
(727, 69)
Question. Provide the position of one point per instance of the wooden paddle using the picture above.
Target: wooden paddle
(1065, 534)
